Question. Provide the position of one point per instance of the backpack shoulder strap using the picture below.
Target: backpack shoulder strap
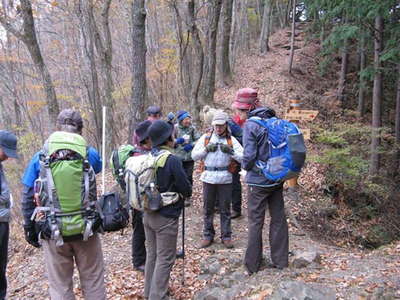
(259, 121)
(229, 140)
(209, 133)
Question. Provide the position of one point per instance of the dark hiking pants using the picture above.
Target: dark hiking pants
(211, 194)
(259, 199)
(138, 239)
(4, 235)
(236, 193)
(188, 166)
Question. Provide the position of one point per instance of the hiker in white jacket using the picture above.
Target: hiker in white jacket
(221, 153)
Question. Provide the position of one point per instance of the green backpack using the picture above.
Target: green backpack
(65, 191)
(118, 160)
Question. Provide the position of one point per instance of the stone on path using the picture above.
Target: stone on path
(296, 290)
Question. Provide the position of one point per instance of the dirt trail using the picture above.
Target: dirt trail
(352, 274)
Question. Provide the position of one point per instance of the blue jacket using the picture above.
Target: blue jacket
(256, 147)
(32, 173)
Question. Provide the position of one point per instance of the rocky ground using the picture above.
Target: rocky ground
(317, 270)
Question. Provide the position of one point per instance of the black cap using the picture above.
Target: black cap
(70, 117)
(8, 143)
(141, 130)
(154, 109)
(159, 132)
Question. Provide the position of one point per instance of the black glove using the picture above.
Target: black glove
(31, 236)
(211, 147)
(226, 149)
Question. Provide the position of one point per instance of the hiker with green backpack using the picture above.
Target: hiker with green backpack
(60, 209)
(118, 165)
(156, 184)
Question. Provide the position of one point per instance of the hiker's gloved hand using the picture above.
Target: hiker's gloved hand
(179, 141)
(211, 147)
(31, 235)
(188, 147)
(226, 149)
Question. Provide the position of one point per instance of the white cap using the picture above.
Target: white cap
(220, 118)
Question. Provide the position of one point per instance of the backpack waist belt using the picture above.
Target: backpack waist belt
(216, 168)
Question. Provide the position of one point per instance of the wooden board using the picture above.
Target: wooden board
(301, 115)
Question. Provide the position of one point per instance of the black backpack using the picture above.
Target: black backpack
(115, 214)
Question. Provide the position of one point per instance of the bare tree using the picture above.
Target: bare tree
(209, 66)
(343, 68)
(292, 37)
(265, 28)
(226, 73)
(377, 98)
(103, 44)
(28, 36)
(139, 93)
(361, 90)
(91, 80)
(397, 126)
(198, 60)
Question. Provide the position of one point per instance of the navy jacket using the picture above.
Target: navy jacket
(256, 147)
(236, 131)
(172, 178)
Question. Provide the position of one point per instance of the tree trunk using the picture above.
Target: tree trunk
(265, 28)
(377, 98)
(104, 48)
(343, 73)
(139, 87)
(292, 37)
(198, 61)
(5, 116)
(225, 68)
(184, 49)
(397, 126)
(85, 12)
(361, 93)
(233, 39)
(209, 66)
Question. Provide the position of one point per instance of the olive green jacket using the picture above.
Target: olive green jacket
(193, 134)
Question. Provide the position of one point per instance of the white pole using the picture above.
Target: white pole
(103, 152)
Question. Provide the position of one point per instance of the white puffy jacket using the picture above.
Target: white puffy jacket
(217, 159)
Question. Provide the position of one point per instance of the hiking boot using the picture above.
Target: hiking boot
(180, 254)
(271, 265)
(205, 243)
(236, 214)
(140, 268)
(187, 202)
(228, 244)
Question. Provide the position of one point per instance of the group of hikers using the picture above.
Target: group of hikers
(63, 216)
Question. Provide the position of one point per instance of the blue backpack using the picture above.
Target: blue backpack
(287, 151)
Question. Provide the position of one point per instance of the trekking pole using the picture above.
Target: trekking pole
(103, 152)
(183, 246)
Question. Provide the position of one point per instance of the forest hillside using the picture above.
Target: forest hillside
(335, 57)
(325, 262)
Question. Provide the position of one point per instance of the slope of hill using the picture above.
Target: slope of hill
(317, 270)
